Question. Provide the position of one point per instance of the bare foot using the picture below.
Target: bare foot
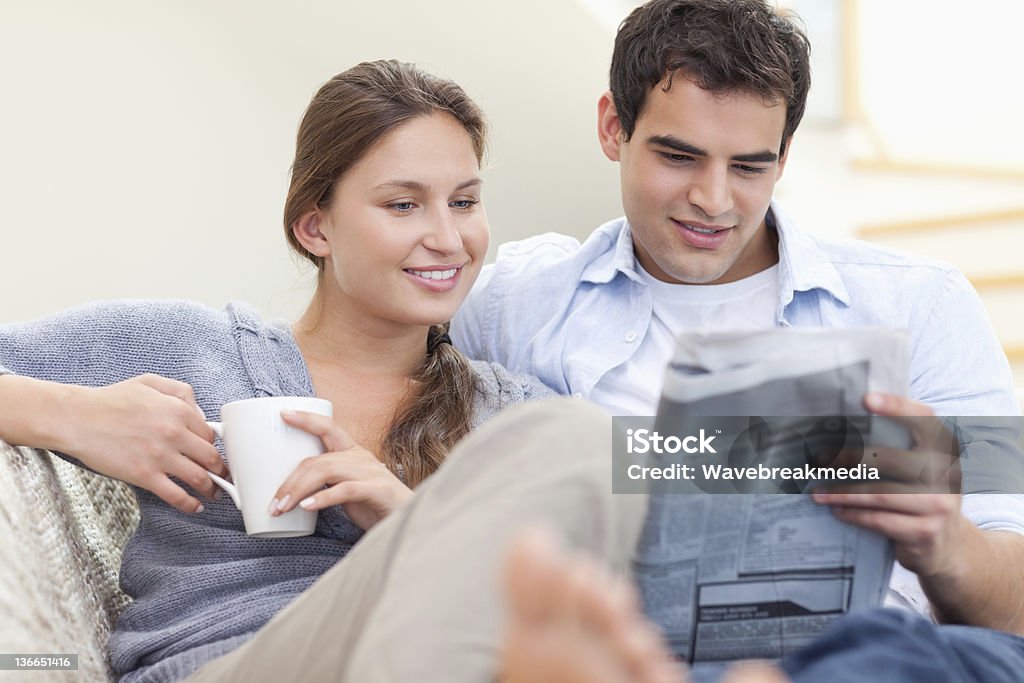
(754, 672)
(571, 622)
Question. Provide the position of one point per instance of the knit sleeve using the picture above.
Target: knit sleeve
(498, 389)
(98, 344)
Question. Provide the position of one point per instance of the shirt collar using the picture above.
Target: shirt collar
(803, 266)
(619, 259)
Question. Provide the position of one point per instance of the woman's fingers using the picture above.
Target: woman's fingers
(189, 413)
(170, 387)
(334, 437)
(339, 494)
(191, 474)
(314, 473)
(202, 453)
(166, 490)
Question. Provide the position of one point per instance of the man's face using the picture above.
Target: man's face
(697, 179)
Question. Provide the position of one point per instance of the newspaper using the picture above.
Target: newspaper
(750, 575)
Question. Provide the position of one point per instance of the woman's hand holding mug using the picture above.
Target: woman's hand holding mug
(143, 431)
(355, 479)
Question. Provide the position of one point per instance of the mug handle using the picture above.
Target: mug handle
(220, 481)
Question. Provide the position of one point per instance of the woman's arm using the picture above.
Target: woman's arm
(142, 431)
(74, 383)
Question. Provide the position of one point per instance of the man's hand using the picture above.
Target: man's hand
(927, 529)
(355, 479)
(970, 576)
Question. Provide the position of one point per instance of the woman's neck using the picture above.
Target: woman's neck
(332, 335)
(363, 366)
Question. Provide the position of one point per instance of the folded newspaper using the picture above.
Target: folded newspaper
(729, 566)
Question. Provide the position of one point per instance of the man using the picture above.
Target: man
(705, 97)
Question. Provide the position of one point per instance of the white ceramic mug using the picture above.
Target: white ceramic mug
(262, 450)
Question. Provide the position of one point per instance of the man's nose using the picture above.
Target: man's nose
(710, 191)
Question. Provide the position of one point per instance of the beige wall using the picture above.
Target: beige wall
(145, 145)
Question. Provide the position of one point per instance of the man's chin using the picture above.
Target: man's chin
(691, 276)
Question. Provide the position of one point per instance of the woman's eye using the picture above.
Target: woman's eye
(463, 203)
(402, 207)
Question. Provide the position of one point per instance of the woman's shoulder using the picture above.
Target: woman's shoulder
(499, 388)
(131, 316)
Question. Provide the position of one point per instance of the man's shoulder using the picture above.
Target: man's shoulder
(556, 252)
(868, 267)
(848, 252)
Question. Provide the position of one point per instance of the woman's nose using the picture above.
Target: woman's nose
(443, 234)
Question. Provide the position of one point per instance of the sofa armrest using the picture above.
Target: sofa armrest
(62, 529)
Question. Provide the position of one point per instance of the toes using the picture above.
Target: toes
(754, 672)
(530, 575)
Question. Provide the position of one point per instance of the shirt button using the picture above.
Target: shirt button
(631, 336)
(577, 395)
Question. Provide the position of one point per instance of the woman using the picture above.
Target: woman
(385, 200)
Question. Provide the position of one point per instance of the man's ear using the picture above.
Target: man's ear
(307, 231)
(609, 127)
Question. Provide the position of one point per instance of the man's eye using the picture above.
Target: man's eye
(402, 207)
(671, 156)
(751, 170)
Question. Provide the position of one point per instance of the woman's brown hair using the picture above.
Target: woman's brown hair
(346, 117)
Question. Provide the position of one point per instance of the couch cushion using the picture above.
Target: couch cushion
(62, 529)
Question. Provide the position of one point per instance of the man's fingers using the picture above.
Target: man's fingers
(899, 527)
(933, 470)
(175, 496)
(928, 430)
(895, 406)
(887, 496)
(334, 437)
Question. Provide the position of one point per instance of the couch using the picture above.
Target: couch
(62, 529)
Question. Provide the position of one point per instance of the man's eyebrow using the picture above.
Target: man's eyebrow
(676, 144)
(766, 156)
(416, 186)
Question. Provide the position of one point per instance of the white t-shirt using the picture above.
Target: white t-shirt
(634, 387)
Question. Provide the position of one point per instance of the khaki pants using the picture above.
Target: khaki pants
(418, 599)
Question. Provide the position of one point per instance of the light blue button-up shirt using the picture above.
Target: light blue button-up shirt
(570, 312)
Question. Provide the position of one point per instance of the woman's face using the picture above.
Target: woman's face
(406, 227)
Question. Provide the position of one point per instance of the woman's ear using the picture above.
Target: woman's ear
(307, 231)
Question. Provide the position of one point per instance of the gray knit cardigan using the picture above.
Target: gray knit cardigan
(199, 586)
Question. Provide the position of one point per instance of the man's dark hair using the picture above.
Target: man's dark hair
(726, 46)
